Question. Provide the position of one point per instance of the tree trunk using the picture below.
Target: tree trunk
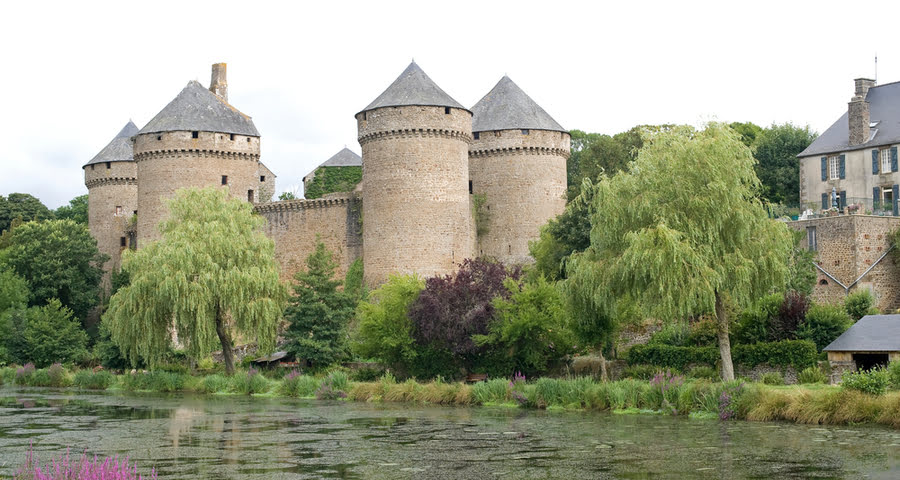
(603, 374)
(225, 340)
(724, 342)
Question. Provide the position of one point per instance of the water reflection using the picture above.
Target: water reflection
(249, 438)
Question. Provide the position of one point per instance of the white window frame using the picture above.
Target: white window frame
(834, 167)
(885, 154)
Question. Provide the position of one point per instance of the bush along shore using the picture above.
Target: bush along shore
(866, 397)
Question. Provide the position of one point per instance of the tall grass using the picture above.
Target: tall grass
(93, 380)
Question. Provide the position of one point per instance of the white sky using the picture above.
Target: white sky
(73, 73)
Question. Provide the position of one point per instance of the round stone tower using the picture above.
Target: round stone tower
(197, 140)
(111, 179)
(416, 213)
(518, 164)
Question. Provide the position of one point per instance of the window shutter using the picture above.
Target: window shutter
(875, 162)
(896, 192)
(824, 168)
(824, 201)
(841, 169)
(842, 200)
(876, 197)
(893, 159)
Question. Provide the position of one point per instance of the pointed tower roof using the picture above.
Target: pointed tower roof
(344, 158)
(507, 107)
(196, 108)
(119, 149)
(413, 87)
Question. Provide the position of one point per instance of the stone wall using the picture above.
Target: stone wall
(265, 192)
(416, 213)
(112, 201)
(523, 179)
(172, 160)
(847, 246)
(295, 225)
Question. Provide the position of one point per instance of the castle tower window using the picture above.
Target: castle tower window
(135, 212)
(262, 178)
(224, 179)
(524, 131)
(364, 115)
(195, 134)
(108, 165)
(470, 187)
(248, 139)
(119, 211)
(122, 242)
(232, 137)
(92, 167)
(476, 135)
(250, 196)
(158, 137)
(496, 133)
(446, 110)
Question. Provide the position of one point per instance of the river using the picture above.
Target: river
(231, 437)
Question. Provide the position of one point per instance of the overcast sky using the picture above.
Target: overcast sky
(74, 72)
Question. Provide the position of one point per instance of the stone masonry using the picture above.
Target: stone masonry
(112, 201)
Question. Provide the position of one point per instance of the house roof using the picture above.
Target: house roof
(119, 149)
(344, 158)
(884, 113)
(413, 87)
(507, 107)
(196, 108)
(872, 333)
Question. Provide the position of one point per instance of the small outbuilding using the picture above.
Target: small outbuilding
(872, 341)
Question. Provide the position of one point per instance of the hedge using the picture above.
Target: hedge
(799, 354)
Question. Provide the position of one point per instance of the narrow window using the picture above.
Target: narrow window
(195, 134)
(158, 137)
(221, 137)
(224, 179)
(122, 242)
(446, 110)
(118, 210)
(92, 167)
(135, 212)
(811, 240)
(250, 196)
(364, 115)
(232, 137)
(524, 131)
(496, 133)
(509, 249)
(470, 187)
(834, 167)
(886, 160)
(248, 139)
(108, 165)
(476, 135)
(262, 178)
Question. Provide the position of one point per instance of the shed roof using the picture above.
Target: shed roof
(344, 158)
(884, 112)
(508, 107)
(413, 87)
(872, 333)
(119, 149)
(196, 108)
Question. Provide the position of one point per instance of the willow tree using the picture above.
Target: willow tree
(211, 275)
(682, 231)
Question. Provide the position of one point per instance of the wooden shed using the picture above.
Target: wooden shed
(872, 341)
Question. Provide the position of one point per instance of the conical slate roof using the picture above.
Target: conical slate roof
(344, 158)
(119, 149)
(507, 107)
(196, 108)
(413, 87)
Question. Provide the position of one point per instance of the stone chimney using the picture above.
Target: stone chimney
(858, 112)
(219, 86)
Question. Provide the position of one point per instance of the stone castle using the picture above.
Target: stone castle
(425, 161)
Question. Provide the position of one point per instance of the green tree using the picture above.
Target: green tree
(802, 273)
(76, 210)
(682, 231)
(318, 312)
(568, 233)
(823, 324)
(52, 335)
(748, 132)
(287, 196)
(385, 330)
(13, 289)
(776, 149)
(59, 259)
(24, 206)
(212, 274)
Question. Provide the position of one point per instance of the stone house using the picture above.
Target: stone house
(856, 158)
(344, 159)
(872, 341)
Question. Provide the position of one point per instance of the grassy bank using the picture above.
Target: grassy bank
(664, 394)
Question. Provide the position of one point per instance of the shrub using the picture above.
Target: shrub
(797, 353)
(874, 381)
(894, 372)
(50, 335)
(704, 333)
(811, 375)
(40, 378)
(338, 380)
(296, 384)
(790, 315)
(7, 375)
(24, 374)
(329, 388)
(366, 374)
(385, 331)
(772, 378)
(859, 304)
(673, 334)
(93, 380)
(57, 375)
(703, 372)
(250, 382)
(823, 324)
(754, 324)
(215, 383)
(640, 372)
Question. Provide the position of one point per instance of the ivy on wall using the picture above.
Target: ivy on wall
(481, 214)
(333, 179)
